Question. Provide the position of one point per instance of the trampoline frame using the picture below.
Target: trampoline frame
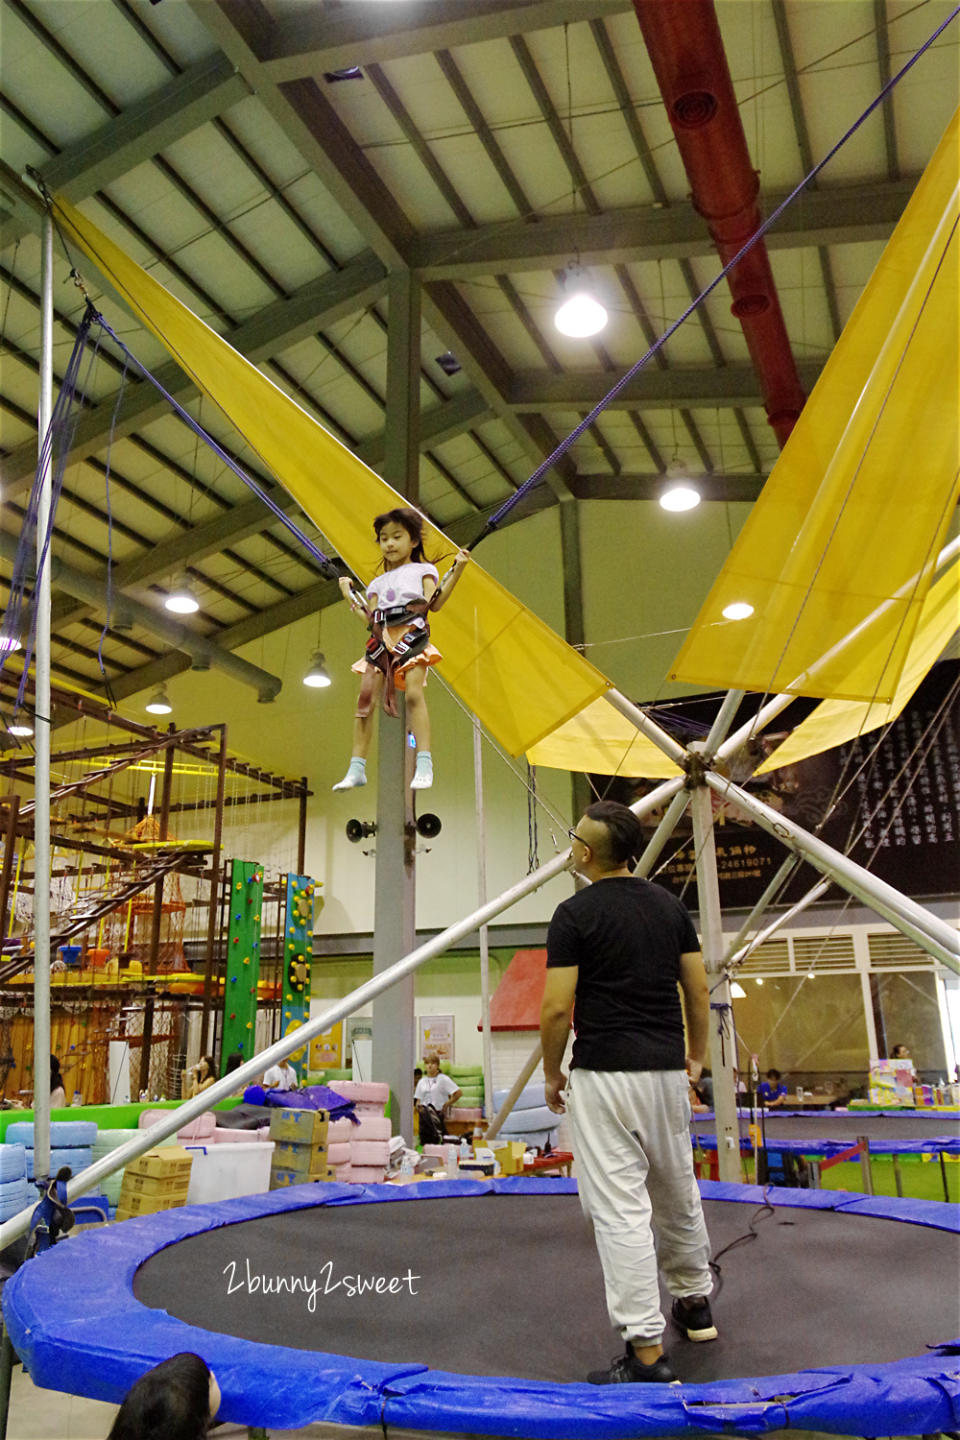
(75, 1322)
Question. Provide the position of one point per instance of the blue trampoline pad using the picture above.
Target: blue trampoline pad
(479, 1308)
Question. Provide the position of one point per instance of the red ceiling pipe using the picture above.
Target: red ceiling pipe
(686, 49)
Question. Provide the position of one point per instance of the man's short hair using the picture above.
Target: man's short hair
(624, 832)
(773, 1074)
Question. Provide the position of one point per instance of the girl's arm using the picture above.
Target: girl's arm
(449, 580)
(353, 597)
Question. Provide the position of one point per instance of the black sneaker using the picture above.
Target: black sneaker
(694, 1318)
(626, 1369)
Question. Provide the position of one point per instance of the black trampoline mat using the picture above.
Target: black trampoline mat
(511, 1285)
(888, 1128)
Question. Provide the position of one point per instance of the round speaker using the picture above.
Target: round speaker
(358, 830)
(428, 826)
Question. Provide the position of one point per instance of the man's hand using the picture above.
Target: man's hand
(553, 1091)
(694, 1069)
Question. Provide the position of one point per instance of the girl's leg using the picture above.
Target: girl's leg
(362, 731)
(418, 720)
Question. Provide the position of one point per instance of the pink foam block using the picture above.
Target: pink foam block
(369, 1092)
(223, 1136)
(344, 1174)
(367, 1174)
(338, 1153)
(463, 1112)
(341, 1130)
(201, 1128)
(369, 1152)
(372, 1127)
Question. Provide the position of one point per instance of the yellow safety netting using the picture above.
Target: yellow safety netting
(836, 721)
(514, 672)
(855, 511)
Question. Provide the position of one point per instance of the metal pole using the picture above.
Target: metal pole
(866, 1169)
(215, 897)
(175, 1119)
(769, 894)
(711, 934)
(486, 1038)
(647, 727)
(661, 835)
(515, 1090)
(738, 956)
(722, 720)
(41, 818)
(925, 929)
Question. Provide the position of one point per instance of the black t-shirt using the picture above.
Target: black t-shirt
(626, 936)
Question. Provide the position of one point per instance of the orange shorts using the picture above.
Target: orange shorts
(428, 656)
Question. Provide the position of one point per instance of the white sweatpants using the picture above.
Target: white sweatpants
(631, 1137)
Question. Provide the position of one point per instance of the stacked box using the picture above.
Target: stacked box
(360, 1153)
(300, 1153)
(157, 1180)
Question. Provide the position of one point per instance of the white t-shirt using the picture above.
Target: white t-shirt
(400, 586)
(435, 1090)
(280, 1077)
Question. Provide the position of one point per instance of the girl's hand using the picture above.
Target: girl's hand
(462, 558)
(346, 587)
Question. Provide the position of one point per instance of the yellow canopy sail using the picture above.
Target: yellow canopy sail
(856, 508)
(514, 672)
(836, 721)
(602, 741)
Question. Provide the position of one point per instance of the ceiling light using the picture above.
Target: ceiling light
(737, 991)
(181, 599)
(20, 727)
(680, 491)
(738, 610)
(580, 313)
(759, 980)
(9, 643)
(317, 677)
(159, 703)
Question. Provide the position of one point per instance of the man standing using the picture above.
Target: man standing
(434, 1097)
(616, 953)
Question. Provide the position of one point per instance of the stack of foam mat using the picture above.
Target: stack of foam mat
(530, 1120)
(109, 1140)
(71, 1143)
(469, 1080)
(16, 1192)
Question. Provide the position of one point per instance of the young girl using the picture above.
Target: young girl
(399, 651)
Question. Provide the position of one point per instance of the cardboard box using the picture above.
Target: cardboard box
(299, 1127)
(281, 1179)
(303, 1160)
(147, 1204)
(162, 1164)
(510, 1157)
(155, 1185)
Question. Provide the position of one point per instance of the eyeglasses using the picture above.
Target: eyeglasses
(574, 836)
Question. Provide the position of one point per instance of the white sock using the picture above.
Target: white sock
(356, 774)
(423, 775)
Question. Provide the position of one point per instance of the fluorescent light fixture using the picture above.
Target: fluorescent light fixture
(580, 313)
(9, 643)
(317, 677)
(680, 496)
(738, 610)
(737, 991)
(20, 727)
(159, 703)
(181, 599)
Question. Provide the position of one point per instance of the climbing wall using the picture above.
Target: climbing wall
(298, 933)
(243, 960)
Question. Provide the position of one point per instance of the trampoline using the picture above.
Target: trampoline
(826, 1132)
(490, 1305)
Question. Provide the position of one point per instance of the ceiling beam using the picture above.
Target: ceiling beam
(278, 326)
(317, 41)
(817, 217)
(708, 388)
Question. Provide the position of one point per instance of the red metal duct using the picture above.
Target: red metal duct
(686, 49)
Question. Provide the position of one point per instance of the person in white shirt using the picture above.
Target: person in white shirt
(399, 651)
(434, 1097)
(280, 1077)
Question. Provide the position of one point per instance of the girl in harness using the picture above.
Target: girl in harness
(399, 651)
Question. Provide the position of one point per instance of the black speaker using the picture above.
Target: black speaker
(358, 830)
(429, 826)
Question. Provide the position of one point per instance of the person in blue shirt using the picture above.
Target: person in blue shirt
(772, 1090)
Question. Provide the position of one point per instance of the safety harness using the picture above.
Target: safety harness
(387, 661)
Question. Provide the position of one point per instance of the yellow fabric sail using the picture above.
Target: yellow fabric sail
(856, 508)
(514, 672)
(837, 721)
(601, 740)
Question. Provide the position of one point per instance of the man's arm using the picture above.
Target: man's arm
(696, 1010)
(558, 997)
